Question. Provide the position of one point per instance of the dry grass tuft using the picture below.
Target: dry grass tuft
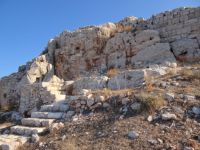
(108, 92)
(69, 145)
(150, 102)
(112, 72)
(190, 74)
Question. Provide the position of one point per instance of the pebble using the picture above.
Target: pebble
(168, 116)
(169, 96)
(136, 106)
(189, 97)
(188, 148)
(150, 118)
(196, 110)
(64, 137)
(132, 135)
(35, 138)
(153, 142)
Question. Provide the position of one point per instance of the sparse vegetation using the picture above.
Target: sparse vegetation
(191, 74)
(112, 72)
(108, 92)
(151, 102)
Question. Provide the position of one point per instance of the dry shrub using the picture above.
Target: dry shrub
(69, 145)
(149, 86)
(150, 102)
(172, 72)
(112, 72)
(108, 92)
(190, 74)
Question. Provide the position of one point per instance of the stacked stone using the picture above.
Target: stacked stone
(176, 24)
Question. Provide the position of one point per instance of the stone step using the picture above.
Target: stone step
(12, 142)
(46, 84)
(55, 88)
(48, 115)
(60, 97)
(27, 131)
(37, 122)
(54, 108)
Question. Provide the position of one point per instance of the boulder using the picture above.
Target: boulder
(98, 82)
(147, 37)
(156, 54)
(186, 49)
(127, 79)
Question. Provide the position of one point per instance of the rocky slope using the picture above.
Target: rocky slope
(102, 67)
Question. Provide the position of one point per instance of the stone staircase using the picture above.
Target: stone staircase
(55, 88)
(38, 123)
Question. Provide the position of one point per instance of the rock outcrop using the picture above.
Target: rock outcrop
(87, 54)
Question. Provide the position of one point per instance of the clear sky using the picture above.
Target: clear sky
(27, 25)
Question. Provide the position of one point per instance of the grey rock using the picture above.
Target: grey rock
(35, 138)
(189, 97)
(156, 54)
(136, 106)
(169, 96)
(188, 148)
(196, 110)
(127, 79)
(152, 141)
(132, 135)
(186, 49)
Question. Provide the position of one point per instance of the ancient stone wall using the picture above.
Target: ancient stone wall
(176, 24)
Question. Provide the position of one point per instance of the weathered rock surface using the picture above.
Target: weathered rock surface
(155, 54)
(93, 50)
(127, 79)
(186, 49)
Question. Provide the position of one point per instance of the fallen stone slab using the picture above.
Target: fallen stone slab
(12, 142)
(48, 115)
(24, 130)
(37, 122)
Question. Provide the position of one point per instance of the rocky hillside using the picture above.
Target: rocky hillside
(136, 77)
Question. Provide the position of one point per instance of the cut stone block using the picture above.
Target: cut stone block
(11, 142)
(48, 115)
(23, 130)
(36, 122)
(54, 108)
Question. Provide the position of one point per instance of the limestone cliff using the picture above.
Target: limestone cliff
(91, 51)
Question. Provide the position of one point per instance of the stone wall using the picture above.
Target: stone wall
(176, 24)
(181, 28)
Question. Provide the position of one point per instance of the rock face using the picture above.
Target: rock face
(87, 54)
(155, 54)
(127, 79)
(186, 49)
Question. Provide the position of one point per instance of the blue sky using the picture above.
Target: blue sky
(27, 25)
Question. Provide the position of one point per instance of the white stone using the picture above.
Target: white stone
(168, 116)
(90, 102)
(169, 96)
(35, 138)
(189, 97)
(150, 118)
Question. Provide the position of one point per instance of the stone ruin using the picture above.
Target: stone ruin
(78, 60)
